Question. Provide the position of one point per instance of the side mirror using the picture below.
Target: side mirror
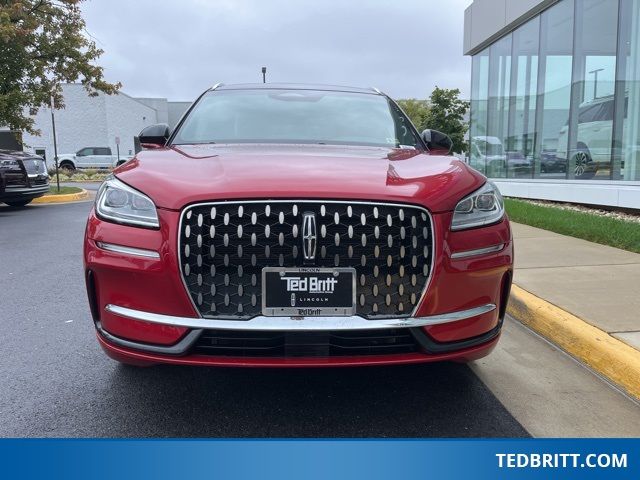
(154, 136)
(437, 142)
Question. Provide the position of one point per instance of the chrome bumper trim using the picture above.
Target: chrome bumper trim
(479, 251)
(263, 323)
(26, 190)
(111, 247)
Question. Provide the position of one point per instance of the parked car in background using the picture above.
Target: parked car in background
(488, 155)
(594, 137)
(284, 225)
(518, 165)
(91, 157)
(551, 163)
(23, 177)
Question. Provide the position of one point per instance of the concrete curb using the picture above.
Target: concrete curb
(608, 356)
(68, 197)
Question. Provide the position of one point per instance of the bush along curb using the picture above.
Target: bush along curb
(606, 355)
(68, 197)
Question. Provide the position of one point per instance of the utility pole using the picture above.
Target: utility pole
(55, 145)
(264, 74)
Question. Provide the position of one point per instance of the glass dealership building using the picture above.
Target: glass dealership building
(555, 98)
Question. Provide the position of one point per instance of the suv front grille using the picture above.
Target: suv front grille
(223, 247)
(235, 343)
(34, 166)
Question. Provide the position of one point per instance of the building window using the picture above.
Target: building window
(522, 106)
(626, 128)
(559, 96)
(494, 155)
(554, 91)
(478, 116)
(592, 96)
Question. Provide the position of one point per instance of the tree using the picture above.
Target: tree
(446, 114)
(42, 45)
(416, 110)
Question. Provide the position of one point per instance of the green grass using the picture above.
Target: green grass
(53, 190)
(605, 230)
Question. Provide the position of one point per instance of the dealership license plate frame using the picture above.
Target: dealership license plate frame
(339, 273)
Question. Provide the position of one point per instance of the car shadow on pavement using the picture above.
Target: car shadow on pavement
(437, 400)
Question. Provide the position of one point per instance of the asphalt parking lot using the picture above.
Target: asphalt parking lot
(57, 382)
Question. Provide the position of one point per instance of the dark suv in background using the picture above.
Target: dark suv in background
(23, 177)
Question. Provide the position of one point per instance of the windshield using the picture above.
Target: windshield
(296, 116)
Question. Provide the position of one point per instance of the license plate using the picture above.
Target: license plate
(308, 292)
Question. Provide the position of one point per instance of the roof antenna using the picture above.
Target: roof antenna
(264, 74)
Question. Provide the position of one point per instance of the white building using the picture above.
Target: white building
(97, 121)
(557, 84)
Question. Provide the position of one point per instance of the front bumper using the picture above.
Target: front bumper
(134, 356)
(12, 193)
(143, 314)
(284, 324)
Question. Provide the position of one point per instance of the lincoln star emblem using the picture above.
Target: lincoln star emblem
(309, 236)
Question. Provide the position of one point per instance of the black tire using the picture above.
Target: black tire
(19, 203)
(67, 166)
(583, 166)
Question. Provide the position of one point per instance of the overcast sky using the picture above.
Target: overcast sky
(178, 49)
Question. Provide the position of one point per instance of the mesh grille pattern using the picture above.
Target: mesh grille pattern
(224, 246)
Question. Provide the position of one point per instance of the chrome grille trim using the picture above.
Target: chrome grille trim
(112, 247)
(478, 251)
(376, 240)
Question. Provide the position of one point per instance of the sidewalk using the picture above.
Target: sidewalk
(598, 284)
(584, 298)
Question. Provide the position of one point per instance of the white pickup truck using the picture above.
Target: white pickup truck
(91, 157)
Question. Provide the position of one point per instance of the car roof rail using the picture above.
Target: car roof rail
(377, 90)
(219, 84)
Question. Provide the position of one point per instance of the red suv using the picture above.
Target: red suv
(292, 225)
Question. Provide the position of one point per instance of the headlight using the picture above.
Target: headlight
(120, 203)
(483, 207)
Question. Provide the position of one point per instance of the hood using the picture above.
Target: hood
(17, 155)
(179, 175)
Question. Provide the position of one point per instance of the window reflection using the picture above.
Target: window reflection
(559, 97)
(554, 90)
(522, 107)
(492, 145)
(590, 126)
(478, 119)
(626, 150)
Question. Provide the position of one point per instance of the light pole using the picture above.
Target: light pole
(595, 81)
(264, 74)
(55, 144)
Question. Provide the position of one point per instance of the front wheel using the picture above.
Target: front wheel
(583, 168)
(19, 203)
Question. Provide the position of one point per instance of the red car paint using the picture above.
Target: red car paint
(175, 177)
